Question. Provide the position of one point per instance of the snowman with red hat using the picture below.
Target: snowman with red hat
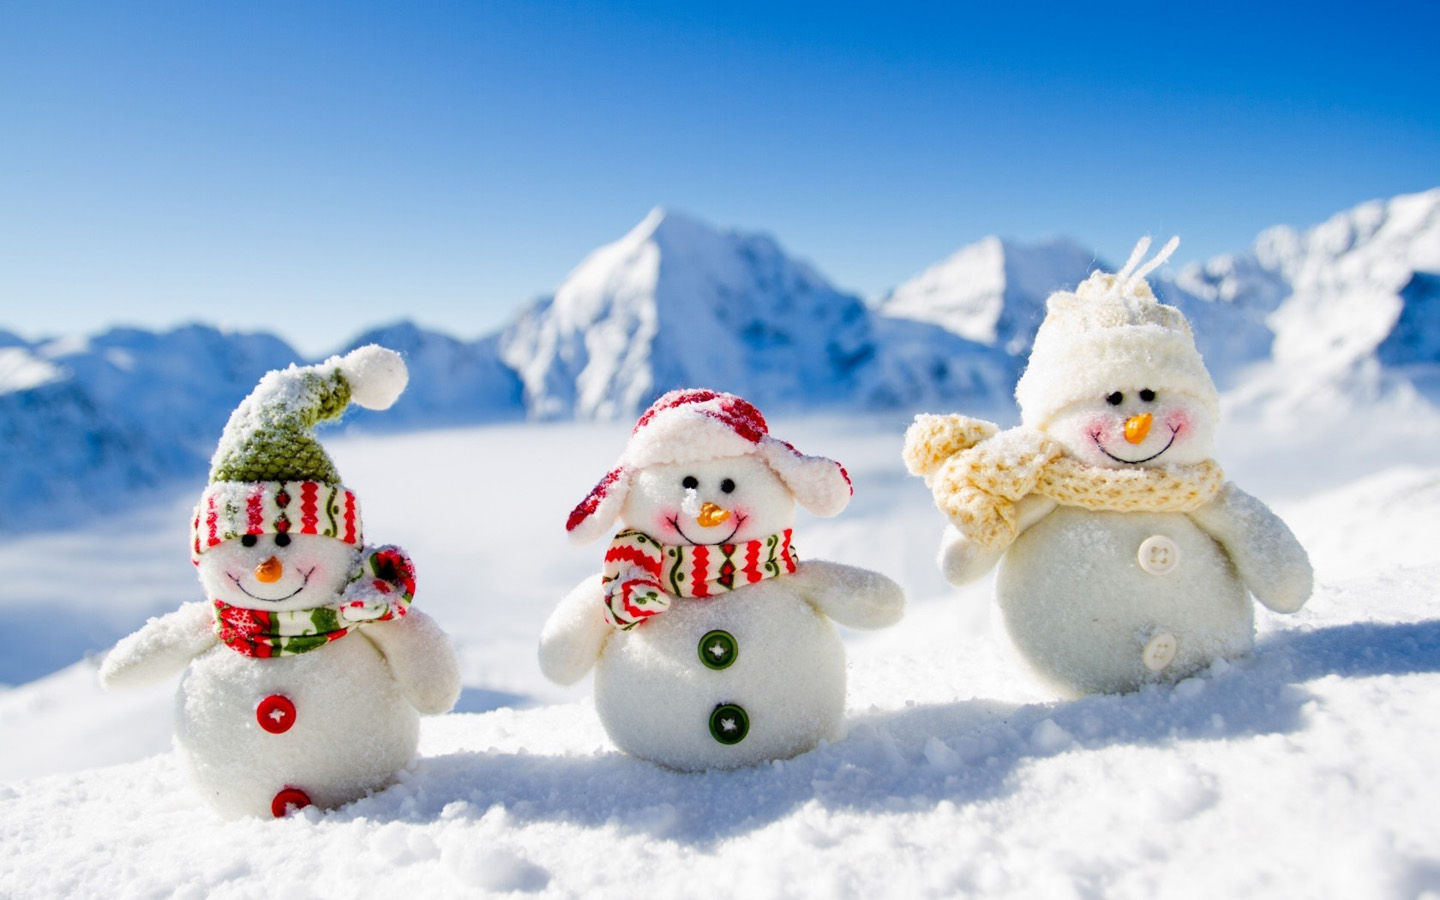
(711, 640)
(1125, 556)
(307, 670)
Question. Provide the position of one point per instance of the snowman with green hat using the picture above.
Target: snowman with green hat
(306, 671)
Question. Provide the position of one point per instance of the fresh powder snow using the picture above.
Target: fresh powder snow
(1305, 769)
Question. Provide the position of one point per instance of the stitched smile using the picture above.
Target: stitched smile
(277, 599)
(1133, 462)
(675, 522)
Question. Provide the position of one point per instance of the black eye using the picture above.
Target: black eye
(1115, 399)
(1147, 395)
(282, 540)
(248, 540)
(727, 485)
(690, 483)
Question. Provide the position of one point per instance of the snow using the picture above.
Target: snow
(1305, 769)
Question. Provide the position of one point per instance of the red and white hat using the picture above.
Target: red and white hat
(691, 425)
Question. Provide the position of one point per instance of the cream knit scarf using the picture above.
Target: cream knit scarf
(978, 473)
(642, 575)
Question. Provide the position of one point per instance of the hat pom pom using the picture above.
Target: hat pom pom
(376, 375)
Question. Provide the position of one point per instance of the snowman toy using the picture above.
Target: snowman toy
(1124, 556)
(712, 644)
(306, 672)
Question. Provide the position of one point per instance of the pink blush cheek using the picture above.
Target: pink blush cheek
(1178, 421)
(664, 522)
(1105, 428)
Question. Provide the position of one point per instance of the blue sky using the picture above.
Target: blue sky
(316, 168)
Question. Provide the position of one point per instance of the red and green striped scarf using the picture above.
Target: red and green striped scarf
(642, 575)
(380, 590)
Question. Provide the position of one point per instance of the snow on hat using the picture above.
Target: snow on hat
(1111, 333)
(694, 425)
(269, 474)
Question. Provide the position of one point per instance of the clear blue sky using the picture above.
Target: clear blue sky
(315, 168)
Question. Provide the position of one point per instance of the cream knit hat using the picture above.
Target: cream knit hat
(1111, 335)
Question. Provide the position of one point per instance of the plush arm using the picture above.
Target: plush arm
(421, 659)
(162, 647)
(856, 598)
(575, 634)
(963, 560)
(1269, 559)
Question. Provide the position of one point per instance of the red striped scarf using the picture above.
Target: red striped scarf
(380, 590)
(642, 576)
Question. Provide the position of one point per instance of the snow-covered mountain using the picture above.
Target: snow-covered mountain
(1305, 324)
(84, 423)
(1340, 314)
(452, 382)
(993, 291)
(676, 303)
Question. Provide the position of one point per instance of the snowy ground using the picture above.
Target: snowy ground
(1305, 770)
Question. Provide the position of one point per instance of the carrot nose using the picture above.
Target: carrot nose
(711, 515)
(270, 570)
(1136, 427)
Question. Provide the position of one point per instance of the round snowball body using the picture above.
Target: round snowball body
(667, 501)
(776, 678)
(1172, 427)
(1081, 608)
(277, 572)
(331, 723)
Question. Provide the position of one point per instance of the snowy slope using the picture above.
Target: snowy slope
(1303, 770)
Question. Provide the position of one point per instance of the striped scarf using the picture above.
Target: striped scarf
(379, 595)
(642, 576)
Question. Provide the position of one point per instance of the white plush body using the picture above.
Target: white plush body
(655, 697)
(353, 727)
(356, 700)
(1080, 609)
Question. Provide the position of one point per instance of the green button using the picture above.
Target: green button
(729, 724)
(718, 650)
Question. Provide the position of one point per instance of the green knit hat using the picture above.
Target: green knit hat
(269, 473)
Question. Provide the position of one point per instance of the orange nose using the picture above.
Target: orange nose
(270, 570)
(1136, 427)
(711, 515)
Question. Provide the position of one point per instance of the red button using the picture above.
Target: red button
(280, 806)
(275, 714)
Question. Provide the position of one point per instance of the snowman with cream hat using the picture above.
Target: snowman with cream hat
(306, 672)
(1124, 555)
(711, 640)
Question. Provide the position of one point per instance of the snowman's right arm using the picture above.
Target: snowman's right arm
(162, 647)
(575, 634)
(963, 560)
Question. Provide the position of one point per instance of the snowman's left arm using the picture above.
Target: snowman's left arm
(1269, 559)
(421, 658)
(857, 598)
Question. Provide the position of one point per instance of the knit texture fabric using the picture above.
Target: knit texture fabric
(977, 473)
(231, 509)
(380, 590)
(642, 575)
(269, 436)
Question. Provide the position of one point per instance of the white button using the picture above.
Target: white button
(1159, 555)
(1159, 652)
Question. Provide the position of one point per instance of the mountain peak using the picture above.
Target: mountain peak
(992, 291)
